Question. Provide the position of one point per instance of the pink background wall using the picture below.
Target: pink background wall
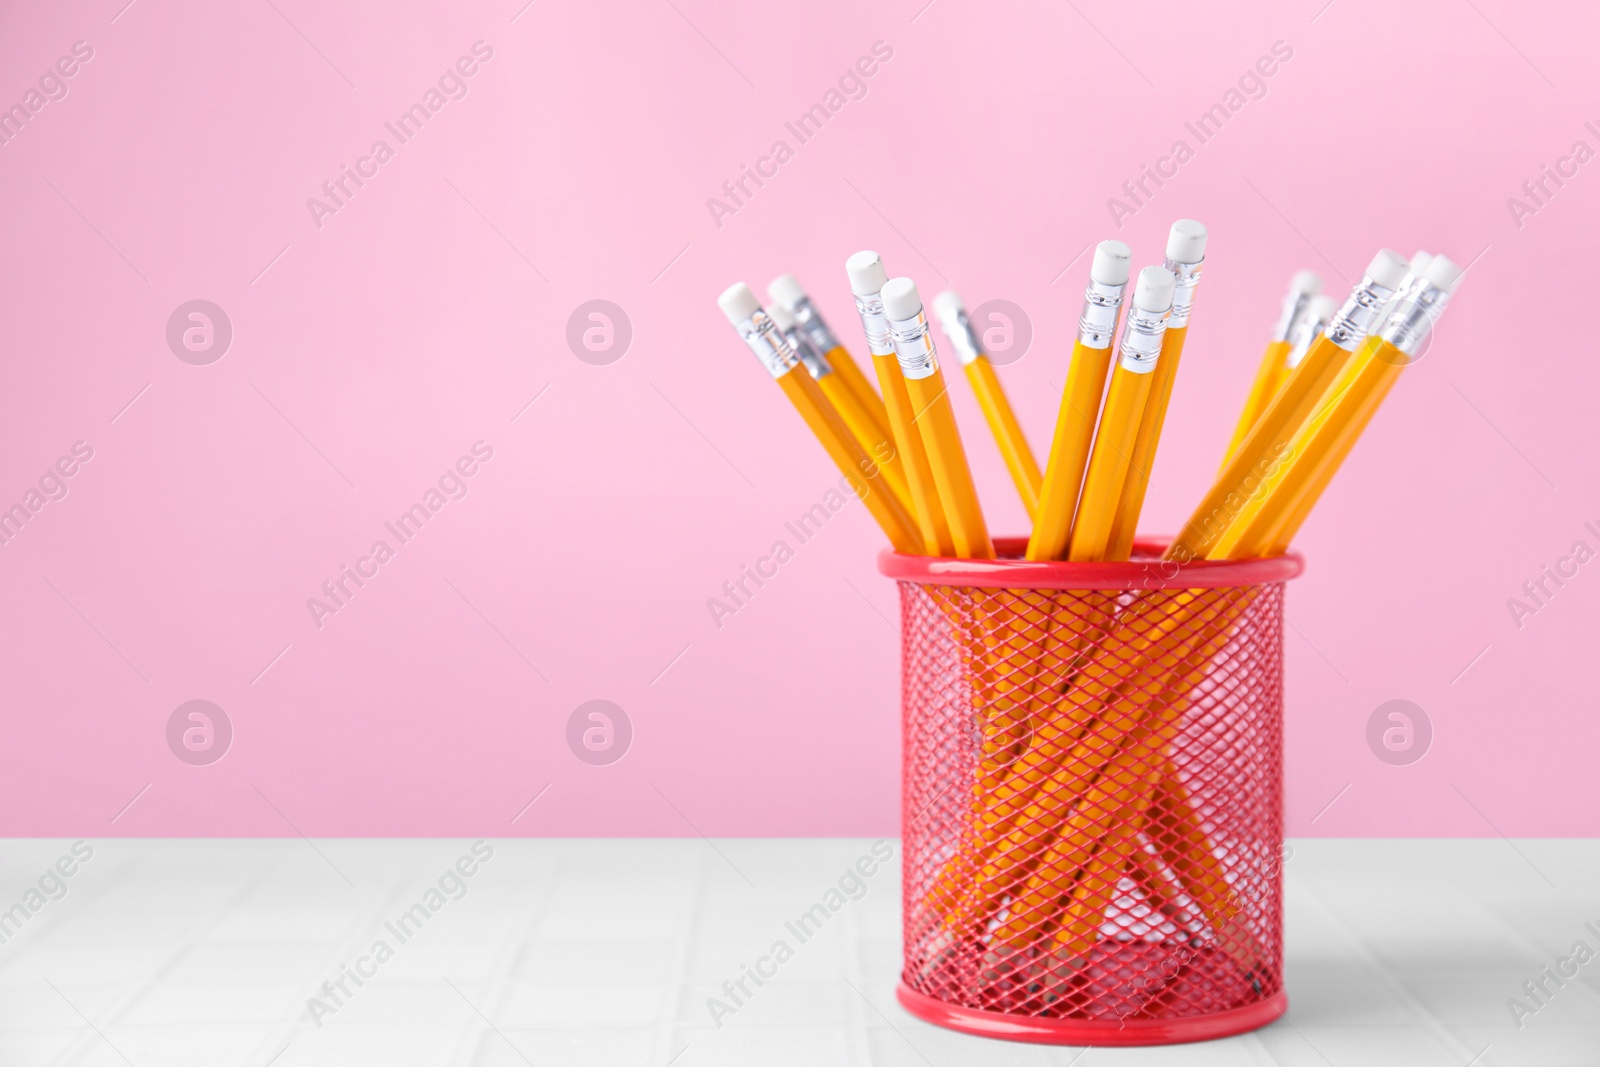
(372, 351)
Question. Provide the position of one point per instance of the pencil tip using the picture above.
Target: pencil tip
(1389, 268)
(947, 303)
(1443, 272)
(1154, 289)
(786, 291)
(738, 302)
(1110, 266)
(1308, 282)
(1186, 243)
(866, 273)
(900, 299)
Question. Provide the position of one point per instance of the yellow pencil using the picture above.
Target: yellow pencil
(1264, 446)
(1080, 402)
(862, 425)
(1317, 446)
(1059, 639)
(1003, 424)
(1103, 485)
(1125, 407)
(867, 278)
(1321, 444)
(764, 339)
(1295, 517)
(930, 401)
(786, 292)
(1270, 374)
(1319, 312)
(1419, 263)
(1186, 253)
(1364, 307)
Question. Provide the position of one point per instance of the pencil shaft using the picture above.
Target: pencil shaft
(1108, 465)
(1069, 452)
(1007, 431)
(874, 441)
(1269, 376)
(847, 368)
(1263, 446)
(926, 506)
(1125, 526)
(930, 400)
(1314, 452)
(849, 457)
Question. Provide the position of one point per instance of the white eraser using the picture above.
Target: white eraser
(781, 317)
(1110, 266)
(1389, 268)
(785, 290)
(1186, 243)
(1443, 272)
(1420, 261)
(1308, 282)
(866, 273)
(1153, 292)
(1322, 308)
(738, 302)
(901, 300)
(947, 304)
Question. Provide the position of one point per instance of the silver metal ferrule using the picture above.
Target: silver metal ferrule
(913, 346)
(958, 328)
(1102, 304)
(1188, 276)
(875, 324)
(1406, 285)
(1416, 312)
(1141, 339)
(1300, 340)
(812, 325)
(1294, 309)
(814, 361)
(1361, 312)
(768, 343)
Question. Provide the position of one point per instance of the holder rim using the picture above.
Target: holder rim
(1011, 571)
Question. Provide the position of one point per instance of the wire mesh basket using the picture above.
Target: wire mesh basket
(1093, 797)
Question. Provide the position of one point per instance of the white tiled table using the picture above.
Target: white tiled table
(605, 952)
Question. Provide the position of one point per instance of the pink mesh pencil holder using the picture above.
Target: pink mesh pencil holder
(1093, 795)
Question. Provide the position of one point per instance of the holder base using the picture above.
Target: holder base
(1041, 1031)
